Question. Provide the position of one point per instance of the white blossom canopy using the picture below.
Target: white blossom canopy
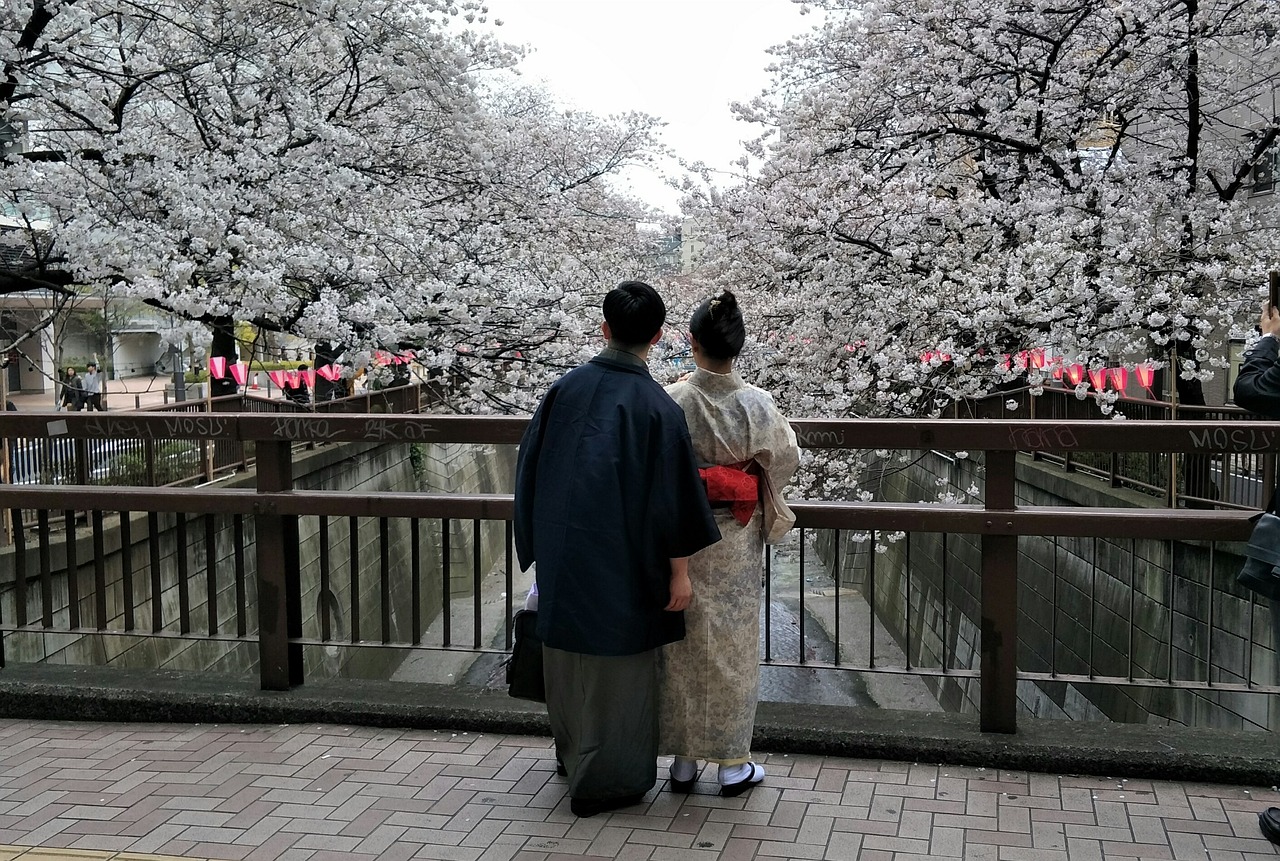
(361, 172)
(975, 180)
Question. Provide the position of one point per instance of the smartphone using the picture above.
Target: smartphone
(1273, 290)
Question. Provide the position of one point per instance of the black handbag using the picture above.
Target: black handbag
(524, 667)
(1269, 822)
(1261, 571)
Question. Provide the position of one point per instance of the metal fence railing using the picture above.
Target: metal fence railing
(1126, 599)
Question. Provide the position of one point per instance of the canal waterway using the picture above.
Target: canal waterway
(786, 614)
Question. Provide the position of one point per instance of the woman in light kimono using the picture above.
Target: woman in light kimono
(711, 679)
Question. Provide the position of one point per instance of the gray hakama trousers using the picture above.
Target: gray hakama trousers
(604, 718)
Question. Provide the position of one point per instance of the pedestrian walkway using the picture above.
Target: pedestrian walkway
(321, 793)
(126, 394)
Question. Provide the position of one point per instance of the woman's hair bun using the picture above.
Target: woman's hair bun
(717, 324)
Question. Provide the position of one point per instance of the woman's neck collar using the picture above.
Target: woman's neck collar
(715, 366)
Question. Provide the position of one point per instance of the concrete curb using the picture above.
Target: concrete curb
(47, 692)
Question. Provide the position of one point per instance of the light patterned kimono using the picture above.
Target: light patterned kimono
(711, 679)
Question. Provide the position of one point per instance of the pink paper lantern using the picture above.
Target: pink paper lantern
(1146, 374)
(1098, 377)
(1119, 379)
(310, 375)
(218, 366)
(292, 377)
(278, 377)
(1037, 357)
(1075, 373)
(240, 373)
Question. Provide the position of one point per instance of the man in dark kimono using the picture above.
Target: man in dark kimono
(610, 506)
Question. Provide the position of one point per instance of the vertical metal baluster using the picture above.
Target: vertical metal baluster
(211, 572)
(1093, 602)
(768, 605)
(510, 579)
(1248, 676)
(46, 569)
(839, 579)
(1053, 615)
(1173, 588)
(476, 585)
(446, 598)
(126, 568)
(801, 644)
(184, 573)
(907, 602)
(1133, 597)
(871, 603)
(326, 586)
(242, 598)
(1208, 651)
(353, 560)
(946, 612)
(99, 571)
(19, 569)
(157, 584)
(73, 570)
(384, 575)
(415, 579)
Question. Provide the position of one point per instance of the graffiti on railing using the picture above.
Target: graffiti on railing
(173, 426)
(818, 438)
(1052, 438)
(380, 430)
(302, 427)
(1235, 439)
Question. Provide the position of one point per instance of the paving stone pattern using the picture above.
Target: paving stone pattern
(135, 792)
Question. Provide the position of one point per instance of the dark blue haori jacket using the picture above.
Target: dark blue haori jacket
(607, 493)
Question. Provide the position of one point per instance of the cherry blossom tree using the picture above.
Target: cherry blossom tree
(975, 180)
(363, 173)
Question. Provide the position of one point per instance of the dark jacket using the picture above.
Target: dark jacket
(607, 493)
(72, 392)
(1257, 386)
(1257, 389)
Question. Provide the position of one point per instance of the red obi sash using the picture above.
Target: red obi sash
(730, 487)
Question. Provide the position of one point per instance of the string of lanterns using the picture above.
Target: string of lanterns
(239, 371)
(1074, 372)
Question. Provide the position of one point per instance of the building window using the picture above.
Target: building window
(1235, 358)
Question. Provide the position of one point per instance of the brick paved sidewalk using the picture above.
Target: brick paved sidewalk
(314, 793)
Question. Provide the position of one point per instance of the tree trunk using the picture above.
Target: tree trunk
(224, 344)
(327, 354)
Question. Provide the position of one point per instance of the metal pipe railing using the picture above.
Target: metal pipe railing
(276, 511)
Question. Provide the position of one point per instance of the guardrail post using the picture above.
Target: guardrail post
(999, 681)
(279, 580)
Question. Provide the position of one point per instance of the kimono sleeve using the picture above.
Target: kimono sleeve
(526, 483)
(780, 455)
(687, 522)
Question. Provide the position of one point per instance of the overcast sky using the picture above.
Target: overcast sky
(681, 60)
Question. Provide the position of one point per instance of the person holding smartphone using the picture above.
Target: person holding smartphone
(1257, 389)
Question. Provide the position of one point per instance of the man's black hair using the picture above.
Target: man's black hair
(635, 312)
